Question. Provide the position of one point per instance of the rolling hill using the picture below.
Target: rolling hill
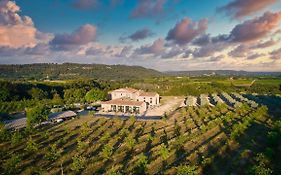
(71, 71)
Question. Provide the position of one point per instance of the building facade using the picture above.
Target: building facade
(129, 100)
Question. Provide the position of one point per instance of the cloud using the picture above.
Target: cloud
(240, 51)
(255, 56)
(85, 4)
(16, 31)
(94, 4)
(242, 8)
(148, 8)
(202, 40)
(256, 28)
(209, 50)
(264, 44)
(276, 54)
(138, 35)
(216, 58)
(173, 52)
(83, 35)
(186, 30)
(156, 48)
(125, 52)
(39, 49)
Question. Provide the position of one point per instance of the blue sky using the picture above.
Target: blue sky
(48, 16)
(159, 34)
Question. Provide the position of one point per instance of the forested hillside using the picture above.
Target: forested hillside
(72, 71)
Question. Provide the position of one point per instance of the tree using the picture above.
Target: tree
(81, 145)
(131, 142)
(187, 170)
(113, 171)
(74, 95)
(4, 134)
(179, 143)
(57, 100)
(31, 146)
(78, 163)
(141, 164)
(107, 151)
(163, 152)
(38, 94)
(4, 91)
(16, 138)
(95, 95)
(54, 152)
(11, 165)
(85, 129)
(36, 115)
(262, 166)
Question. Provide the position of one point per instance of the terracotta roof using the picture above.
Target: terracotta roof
(126, 89)
(123, 101)
(149, 94)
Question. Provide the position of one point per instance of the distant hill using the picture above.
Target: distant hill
(53, 71)
(221, 73)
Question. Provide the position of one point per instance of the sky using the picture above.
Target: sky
(166, 35)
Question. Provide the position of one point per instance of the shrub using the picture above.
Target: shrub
(31, 146)
(16, 138)
(141, 164)
(107, 151)
(78, 163)
(131, 142)
(54, 152)
(11, 165)
(187, 170)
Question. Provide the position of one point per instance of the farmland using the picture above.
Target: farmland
(234, 132)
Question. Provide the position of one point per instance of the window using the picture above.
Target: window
(113, 108)
(127, 109)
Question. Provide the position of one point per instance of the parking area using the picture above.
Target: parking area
(168, 105)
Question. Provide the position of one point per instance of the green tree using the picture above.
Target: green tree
(105, 137)
(31, 146)
(141, 164)
(85, 129)
(163, 152)
(113, 171)
(95, 95)
(54, 152)
(131, 142)
(36, 115)
(107, 151)
(4, 134)
(81, 145)
(4, 91)
(74, 95)
(16, 138)
(38, 94)
(78, 163)
(262, 165)
(187, 170)
(11, 165)
(57, 100)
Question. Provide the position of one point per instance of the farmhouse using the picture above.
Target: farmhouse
(129, 100)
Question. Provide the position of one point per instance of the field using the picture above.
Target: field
(198, 139)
